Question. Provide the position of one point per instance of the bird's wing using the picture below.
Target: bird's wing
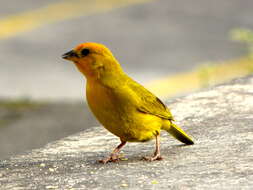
(148, 102)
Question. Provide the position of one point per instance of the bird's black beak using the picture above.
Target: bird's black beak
(69, 55)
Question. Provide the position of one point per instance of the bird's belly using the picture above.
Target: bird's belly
(128, 127)
(141, 127)
(123, 121)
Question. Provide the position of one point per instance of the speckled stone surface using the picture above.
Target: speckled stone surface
(220, 119)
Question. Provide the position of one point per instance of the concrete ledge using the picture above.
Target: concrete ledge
(220, 120)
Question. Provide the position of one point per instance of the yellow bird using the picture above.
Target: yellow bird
(122, 106)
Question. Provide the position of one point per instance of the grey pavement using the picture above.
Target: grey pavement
(150, 40)
(14, 7)
(153, 39)
(219, 119)
(25, 126)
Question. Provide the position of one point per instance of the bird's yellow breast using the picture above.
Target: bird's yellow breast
(118, 114)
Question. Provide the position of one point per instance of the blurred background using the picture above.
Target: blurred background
(172, 47)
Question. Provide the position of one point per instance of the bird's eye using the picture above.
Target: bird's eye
(85, 52)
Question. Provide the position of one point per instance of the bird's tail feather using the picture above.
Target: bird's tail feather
(178, 133)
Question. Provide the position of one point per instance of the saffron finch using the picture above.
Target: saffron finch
(122, 106)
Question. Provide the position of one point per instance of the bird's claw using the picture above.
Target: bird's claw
(111, 158)
(152, 158)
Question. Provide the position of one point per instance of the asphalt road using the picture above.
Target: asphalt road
(151, 40)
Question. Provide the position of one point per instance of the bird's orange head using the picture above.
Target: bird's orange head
(93, 60)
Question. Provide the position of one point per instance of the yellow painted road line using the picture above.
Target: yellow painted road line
(201, 77)
(68, 9)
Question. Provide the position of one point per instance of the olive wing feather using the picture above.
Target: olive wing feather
(149, 103)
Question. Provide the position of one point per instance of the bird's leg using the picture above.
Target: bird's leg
(157, 153)
(114, 157)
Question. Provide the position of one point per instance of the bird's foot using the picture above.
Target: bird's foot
(152, 158)
(111, 158)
